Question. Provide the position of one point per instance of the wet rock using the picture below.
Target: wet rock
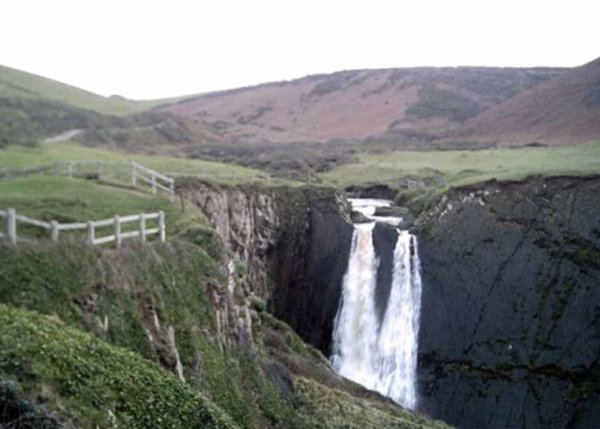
(281, 377)
(376, 190)
(358, 217)
(391, 211)
(510, 316)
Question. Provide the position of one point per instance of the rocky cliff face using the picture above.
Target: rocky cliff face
(294, 244)
(510, 323)
(511, 306)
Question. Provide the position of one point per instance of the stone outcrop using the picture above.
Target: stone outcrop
(510, 321)
(510, 315)
(294, 243)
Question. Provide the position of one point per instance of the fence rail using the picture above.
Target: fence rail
(12, 219)
(124, 170)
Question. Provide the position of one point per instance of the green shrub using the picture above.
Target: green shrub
(258, 304)
(84, 378)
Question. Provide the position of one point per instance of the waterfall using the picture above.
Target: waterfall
(381, 357)
(355, 327)
(399, 334)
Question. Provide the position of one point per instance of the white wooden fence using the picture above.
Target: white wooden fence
(12, 218)
(124, 170)
(155, 180)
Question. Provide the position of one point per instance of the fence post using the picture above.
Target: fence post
(133, 175)
(153, 183)
(90, 232)
(233, 176)
(54, 228)
(100, 169)
(12, 225)
(142, 227)
(118, 231)
(161, 226)
(70, 170)
(172, 190)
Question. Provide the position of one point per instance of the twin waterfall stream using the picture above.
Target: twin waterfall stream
(379, 353)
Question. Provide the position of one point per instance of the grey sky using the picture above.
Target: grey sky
(155, 49)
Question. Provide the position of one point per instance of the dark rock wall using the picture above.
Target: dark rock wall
(295, 243)
(309, 261)
(384, 242)
(510, 321)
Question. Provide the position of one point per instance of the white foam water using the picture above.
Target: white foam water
(399, 333)
(381, 358)
(355, 327)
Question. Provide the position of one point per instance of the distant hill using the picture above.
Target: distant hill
(390, 104)
(33, 107)
(20, 84)
(562, 111)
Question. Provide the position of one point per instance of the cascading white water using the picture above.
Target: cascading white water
(381, 358)
(355, 327)
(399, 333)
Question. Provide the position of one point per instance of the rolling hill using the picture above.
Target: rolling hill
(388, 104)
(19, 84)
(33, 107)
(562, 111)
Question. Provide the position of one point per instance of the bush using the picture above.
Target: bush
(258, 304)
(85, 378)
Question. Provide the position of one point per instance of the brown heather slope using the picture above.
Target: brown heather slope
(389, 104)
(562, 111)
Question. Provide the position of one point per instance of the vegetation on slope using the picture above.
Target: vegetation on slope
(455, 168)
(33, 107)
(87, 383)
(165, 303)
(19, 157)
(20, 84)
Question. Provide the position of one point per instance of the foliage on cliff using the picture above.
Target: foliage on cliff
(87, 383)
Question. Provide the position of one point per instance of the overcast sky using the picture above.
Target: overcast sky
(154, 49)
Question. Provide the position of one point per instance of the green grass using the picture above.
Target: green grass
(82, 378)
(16, 83)
(78, 200)
(467, 167)
(21, 156)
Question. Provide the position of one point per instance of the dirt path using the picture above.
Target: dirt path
(67, 135)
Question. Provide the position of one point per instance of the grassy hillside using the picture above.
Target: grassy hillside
(87, 383)
(167, 304)
(360, 105)
(134, 298)
(20, 84)
(562, 111)
(465, 167)
(33, 108)
(20, 157)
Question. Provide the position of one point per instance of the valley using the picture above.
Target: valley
(408, 248)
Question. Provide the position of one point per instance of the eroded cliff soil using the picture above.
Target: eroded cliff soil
(510, 323)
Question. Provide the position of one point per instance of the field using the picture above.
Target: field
(457, 168)
(435, 168)
(21, 156)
